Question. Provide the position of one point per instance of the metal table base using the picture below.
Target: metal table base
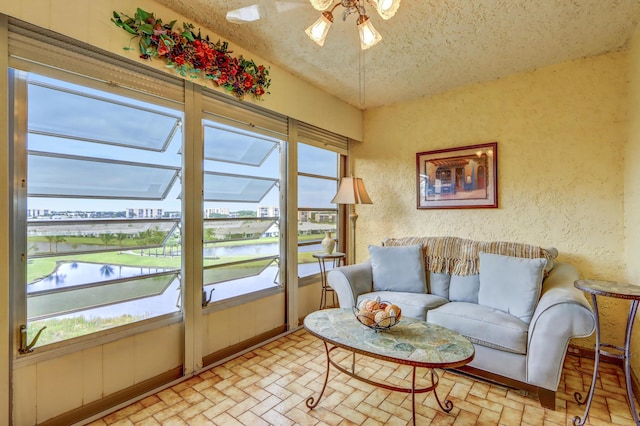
(618, 290)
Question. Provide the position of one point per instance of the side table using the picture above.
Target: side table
(620, 291)
(338, 259)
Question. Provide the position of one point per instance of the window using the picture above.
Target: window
(241, 227)
(318, 171)
(99, 224)
(103, 211)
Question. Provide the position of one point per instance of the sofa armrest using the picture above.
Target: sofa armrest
(562, 313)
(351, 281)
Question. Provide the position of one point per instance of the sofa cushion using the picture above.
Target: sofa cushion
(439, 284)
(511, 284)
(464, 288)
(398, 269)
(414, 305)
(483, 325)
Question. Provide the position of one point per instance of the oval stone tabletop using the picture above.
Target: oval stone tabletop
(411, 342)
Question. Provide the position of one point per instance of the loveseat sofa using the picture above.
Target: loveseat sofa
(515, 302)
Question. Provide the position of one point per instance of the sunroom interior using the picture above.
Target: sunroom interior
(157, 226)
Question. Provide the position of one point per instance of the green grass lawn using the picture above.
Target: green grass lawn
(67, 328)
(41, 267)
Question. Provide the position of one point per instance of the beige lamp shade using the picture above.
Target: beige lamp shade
(352, 191)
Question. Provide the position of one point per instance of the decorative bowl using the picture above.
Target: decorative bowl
(377, 315)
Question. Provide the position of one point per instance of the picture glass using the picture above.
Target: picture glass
(463, 177)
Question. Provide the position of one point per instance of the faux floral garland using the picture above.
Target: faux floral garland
(191, 55)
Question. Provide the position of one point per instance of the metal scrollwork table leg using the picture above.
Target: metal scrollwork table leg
(446, 405)
(626, 356)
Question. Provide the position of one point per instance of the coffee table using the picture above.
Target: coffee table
(411, 342)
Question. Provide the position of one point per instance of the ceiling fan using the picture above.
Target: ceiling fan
(261, 9)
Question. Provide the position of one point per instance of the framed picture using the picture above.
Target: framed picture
(458, 178)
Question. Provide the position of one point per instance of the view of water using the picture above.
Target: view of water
(79, 273)
(268, 249)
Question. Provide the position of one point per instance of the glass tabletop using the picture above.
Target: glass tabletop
(411, 342)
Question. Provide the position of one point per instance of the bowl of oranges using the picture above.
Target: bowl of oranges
(377, 315)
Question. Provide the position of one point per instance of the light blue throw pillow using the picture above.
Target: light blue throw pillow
(398, 268)
(511, 284)
(439, 284)
(464, 288)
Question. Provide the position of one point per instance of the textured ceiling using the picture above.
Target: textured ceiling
(430, 46)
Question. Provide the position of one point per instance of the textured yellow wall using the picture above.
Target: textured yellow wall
(631, 187)
(560, 133)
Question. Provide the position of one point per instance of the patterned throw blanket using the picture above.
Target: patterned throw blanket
(459, 256)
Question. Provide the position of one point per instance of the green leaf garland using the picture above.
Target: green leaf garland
(191, 55)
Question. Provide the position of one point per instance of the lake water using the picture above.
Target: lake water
(78, 273)
(82, 273)
(269, 249)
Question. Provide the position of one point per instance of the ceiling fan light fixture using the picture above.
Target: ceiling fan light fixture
(369, 36)
(321, 5)
(386, 8)
(318, 30)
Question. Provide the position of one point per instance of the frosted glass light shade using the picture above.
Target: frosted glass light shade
(386, 8)
(368, 35)
(318, 30)
(352, 191)
(321, 5)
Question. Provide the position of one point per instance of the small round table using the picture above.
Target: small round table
(338, 259)
(620, 291)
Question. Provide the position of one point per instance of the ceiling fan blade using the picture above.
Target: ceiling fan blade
(262, 9)
(244, 14)
(283, 6)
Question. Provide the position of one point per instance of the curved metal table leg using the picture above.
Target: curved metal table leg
(627, 358)
(311, 402)
(577, 421)
(448, 405)
(413, 396)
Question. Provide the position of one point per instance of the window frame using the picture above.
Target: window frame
(18, 92)
(269, 129)
(339, 234)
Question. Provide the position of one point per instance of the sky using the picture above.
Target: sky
(88, 142)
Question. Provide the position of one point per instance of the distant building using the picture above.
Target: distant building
(33, 213)
(273, 231)
(324, 217)
(269, 211)
(214, 211)
(303, 216)
(144, 213)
